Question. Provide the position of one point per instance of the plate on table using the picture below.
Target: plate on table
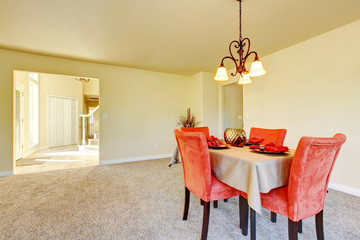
(219, 147)
(264, 151)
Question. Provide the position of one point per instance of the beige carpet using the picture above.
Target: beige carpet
(142, 200)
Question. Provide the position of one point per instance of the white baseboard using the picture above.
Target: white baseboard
(135, 159)
(344, 188)
(6, 174)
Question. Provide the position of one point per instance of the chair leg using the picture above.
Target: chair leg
(215, 204)
(201, 202)
(252, 224)
(187, 201)
(244, 215)
(273, 217)
(293, 229)
(319, 225)
(225, 200)
(206, 216)
(300, 226)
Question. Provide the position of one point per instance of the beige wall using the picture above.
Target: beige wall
(195, 97)
(91, 88)
(142, 106)
(204, 99)
(210, 102)
(312, 89)
(59, 86)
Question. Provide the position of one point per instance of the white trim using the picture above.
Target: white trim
(345, 189)
(19, 87)
(135, 159)
(32, 81)
(6, 174)
(221, 107)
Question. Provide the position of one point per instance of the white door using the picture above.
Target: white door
(19, 120)
(62, 121)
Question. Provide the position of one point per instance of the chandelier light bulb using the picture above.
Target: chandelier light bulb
(244, 78)
(221, 74)
(257, 69)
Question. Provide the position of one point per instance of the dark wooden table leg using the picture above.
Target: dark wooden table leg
(252, 224)
(215, 204)
(244, 215)
(273, 217)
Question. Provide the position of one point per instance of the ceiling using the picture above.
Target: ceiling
(182, 37)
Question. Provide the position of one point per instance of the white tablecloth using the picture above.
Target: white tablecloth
(251, 172)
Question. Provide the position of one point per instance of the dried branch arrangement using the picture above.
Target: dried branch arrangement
(188, 121)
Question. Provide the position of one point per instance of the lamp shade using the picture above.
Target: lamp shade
(257, 69)
(244, 78)
(221, 74)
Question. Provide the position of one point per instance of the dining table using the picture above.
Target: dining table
(253, 172)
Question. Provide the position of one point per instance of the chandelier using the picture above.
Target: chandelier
(256, 67)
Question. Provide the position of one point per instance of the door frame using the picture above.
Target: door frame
(221, 127)
(48, 117)
(223, 104)
(21, 88)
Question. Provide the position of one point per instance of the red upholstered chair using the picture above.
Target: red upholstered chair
(204, 130)
(305, 194)
(197, 129)
(275, 136)
(197, 174)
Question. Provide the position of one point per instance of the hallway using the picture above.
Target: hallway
(58, 158)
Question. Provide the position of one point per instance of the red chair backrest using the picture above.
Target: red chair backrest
(196, 162)
(275, 136)
(197, 129)
(310, 172)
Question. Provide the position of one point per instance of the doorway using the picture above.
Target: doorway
(47, 122)
(232, 106)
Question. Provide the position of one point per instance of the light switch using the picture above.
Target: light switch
(105, 116)
(240, 118)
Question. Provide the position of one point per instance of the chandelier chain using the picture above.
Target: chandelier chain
(240, 22)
